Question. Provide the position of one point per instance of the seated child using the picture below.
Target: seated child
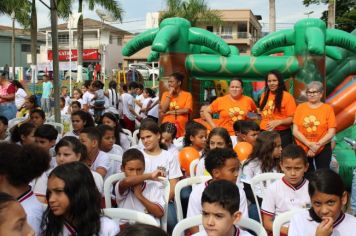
(37, 117)
(23, 133)
(137, 190)
(202, 119)
(325, 217)
(97, 160)
(221, 163)
(4, 136)
(291, 191)
(245, 131)
(220, 210)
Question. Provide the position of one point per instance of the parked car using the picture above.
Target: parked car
(85, 74)
(28, 74)
(146, 71)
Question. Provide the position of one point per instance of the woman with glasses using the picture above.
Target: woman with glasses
(314, 126)
(277, 108)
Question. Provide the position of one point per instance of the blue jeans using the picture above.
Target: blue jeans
(8, 109)
(172, 217)
(353, 192)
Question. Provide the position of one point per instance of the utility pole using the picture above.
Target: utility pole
(272, 16)
(54, 34)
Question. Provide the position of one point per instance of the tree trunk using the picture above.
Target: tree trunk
(272, 16)
(34, 40)
(80, 43)
(54, 33)
(13, 47)
(331, 13)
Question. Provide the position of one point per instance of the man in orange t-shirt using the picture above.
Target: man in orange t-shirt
(176, 104)
(231, 107)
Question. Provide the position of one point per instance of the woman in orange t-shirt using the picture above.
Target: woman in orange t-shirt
(231, 107)
(314, 126)
(277, 108)
(176, 104)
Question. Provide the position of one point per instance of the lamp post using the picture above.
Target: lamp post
(308, 13)
(13, 44)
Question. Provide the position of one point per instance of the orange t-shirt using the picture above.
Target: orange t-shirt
(269, 112)
(313, 123)
(206, 124)
(183, 100)
(231, 110)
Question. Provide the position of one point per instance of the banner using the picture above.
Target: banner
(88, 54)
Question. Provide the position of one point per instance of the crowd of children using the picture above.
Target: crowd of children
(52, 182)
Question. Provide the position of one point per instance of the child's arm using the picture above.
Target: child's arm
(151, 207)
(102, 171)
(325, 228)
(173, 183)
(130, 181)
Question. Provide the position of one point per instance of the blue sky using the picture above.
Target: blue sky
(287, 12)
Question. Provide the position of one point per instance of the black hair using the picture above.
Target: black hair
(92, 133)
(279, 91)
(104, 128)
(75, 145)
(192, 128)
(224, 193)
(237, 79)
(249, 125)
(5, 200)
(218, 131)
(17, 84)
(4, 120)
(169, 128)
(97, 84)
(124, 87)
(32, 99)
(140, 86)
(40, 112)
(263, 149)
(132, 85)
(178, 76)
(151, 93)
(86, 117)
(20, 129)
(237, 126)
(324, 181)
(294, 151)
(142, 230)
(87, 83)
(84, 210)
(118, 128)
(217, 157)
(76, 103)
(112, 84)
(132, 154)
(22, 164)
(46, 131)
(63, 100)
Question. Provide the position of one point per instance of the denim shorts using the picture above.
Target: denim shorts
(8, 109)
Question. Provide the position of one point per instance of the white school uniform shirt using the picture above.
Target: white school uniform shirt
(34, 210)
(302, 224)
(40, 185)
(72, 134)
(102, 160)
(151, 190)
(239, 232)
(281, 197)
(154, 110)
(108, 227)
(87, 99)
(124, 141)
(195, 207)
(20, 97)
(200, 170)
(169, 162)
(116, 165)
(128, 99)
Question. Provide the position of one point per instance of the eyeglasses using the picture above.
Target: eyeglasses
(313, 92)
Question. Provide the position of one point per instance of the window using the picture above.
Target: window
(63, 38)
(226, 32)
(25, 48)
(242, 29)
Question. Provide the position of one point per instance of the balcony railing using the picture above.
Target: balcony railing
(238, 35)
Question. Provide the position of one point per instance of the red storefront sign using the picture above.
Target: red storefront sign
(88, 54)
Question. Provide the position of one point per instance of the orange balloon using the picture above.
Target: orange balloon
(186, 156)
(243, 150)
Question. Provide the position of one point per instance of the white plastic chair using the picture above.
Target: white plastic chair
(184, 183)
(131, 215)
(108, 187)
(192, 167)
(128, 132)
(282, 219)
(115, 163)
(59, 127)
(135, 138)
(178, 143)
(15, 121)
(167, 189)
(259, 184)
(197, 220)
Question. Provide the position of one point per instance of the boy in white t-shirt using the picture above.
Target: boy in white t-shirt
(222, 164)
(137, 190)
(220, 210)
(97, 160)
(128, 107)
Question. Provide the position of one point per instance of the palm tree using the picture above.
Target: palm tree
(64, 9)
(272, 16)
(196, 11)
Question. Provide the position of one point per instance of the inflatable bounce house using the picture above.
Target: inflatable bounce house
(305, 53)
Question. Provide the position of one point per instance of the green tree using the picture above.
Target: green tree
(345, 12)
(193, 10)
(65, 8)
